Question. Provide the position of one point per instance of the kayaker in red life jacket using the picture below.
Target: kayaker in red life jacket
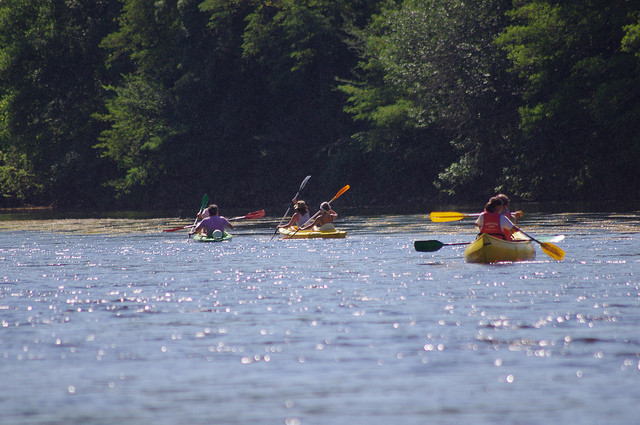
(513, 216)
(493, 222)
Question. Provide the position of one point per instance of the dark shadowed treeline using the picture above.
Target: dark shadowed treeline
(146, 103)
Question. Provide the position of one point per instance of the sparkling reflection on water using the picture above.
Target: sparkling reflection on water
(113, 321)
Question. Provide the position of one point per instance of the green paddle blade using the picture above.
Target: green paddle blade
(205, 201)
(427, 246)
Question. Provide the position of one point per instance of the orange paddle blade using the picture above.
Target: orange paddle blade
(340, 192)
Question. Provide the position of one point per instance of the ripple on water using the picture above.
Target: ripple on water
(357, 330)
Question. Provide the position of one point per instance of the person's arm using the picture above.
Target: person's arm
(505, 223)
(294, 219)
(517, 215)
(196, 229)
(480, 221)
(307, 226)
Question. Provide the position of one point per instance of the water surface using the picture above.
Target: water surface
(113, 321)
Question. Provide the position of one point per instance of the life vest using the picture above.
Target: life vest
(491, 226)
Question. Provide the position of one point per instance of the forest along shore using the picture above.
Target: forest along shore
(156, 103)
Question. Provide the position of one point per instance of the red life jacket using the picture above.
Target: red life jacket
(491, 226)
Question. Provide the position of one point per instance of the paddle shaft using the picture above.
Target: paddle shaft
(203, 204)
(177, 228)
(302, 185)
(249, 216)
(340, 192)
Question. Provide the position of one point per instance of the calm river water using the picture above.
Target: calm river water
(115, 322)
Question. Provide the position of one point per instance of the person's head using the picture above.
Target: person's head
(325, 207)
(494, 205)
(301, 207)
(504, 198)
(213, 210)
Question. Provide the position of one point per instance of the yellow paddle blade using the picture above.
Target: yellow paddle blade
(552, 251)
(441, 217)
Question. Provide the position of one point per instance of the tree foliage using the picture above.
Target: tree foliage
(154, 102)
(433, 72)
(580, 92)
(50, 84)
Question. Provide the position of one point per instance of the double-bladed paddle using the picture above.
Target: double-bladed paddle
(442, 217)
(340, 192)
(432, 245)
(249, 216)
(302, 185)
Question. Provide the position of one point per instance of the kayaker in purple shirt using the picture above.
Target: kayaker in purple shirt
(212, 223)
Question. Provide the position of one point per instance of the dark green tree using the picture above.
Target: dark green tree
(51, 77)
(296, 52)
(579, 68)
(240, 92)
(141, 110)
(436, 88)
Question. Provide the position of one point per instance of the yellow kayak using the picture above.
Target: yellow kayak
(489, 249)
(330, 233)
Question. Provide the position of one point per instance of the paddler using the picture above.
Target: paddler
(493, 222)
(301, 215)
(513, 216)
(213, 222)
(205, 212)
(324, 220)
